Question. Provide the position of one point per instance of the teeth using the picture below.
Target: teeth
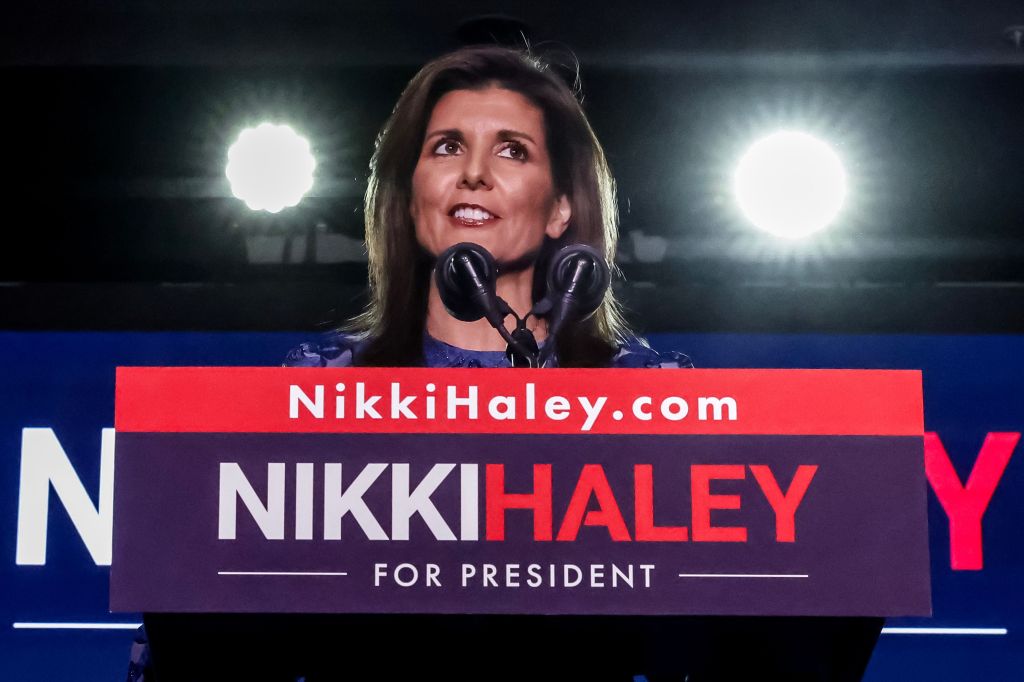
(473, 214)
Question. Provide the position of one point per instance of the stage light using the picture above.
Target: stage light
(790, 184)
(270, 167)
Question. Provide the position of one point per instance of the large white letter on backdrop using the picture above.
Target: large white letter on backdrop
(44, 462)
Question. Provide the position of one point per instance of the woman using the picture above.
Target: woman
(485, 145)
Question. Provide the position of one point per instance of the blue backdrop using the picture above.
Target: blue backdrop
(974, 385)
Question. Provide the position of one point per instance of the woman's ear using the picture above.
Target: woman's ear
(560, 216)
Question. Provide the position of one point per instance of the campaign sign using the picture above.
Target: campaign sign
(705, 492)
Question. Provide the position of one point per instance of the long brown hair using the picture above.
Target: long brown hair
(399, 269)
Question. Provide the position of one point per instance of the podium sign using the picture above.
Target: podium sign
(379, 490)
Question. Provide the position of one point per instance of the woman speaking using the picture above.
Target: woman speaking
(485, 145)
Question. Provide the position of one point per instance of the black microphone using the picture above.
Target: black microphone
(577, 281)
(466, 277)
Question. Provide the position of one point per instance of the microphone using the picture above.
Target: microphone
(466, 276)
(577, 281)
(578, 278)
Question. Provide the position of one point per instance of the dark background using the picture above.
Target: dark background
(117, 118)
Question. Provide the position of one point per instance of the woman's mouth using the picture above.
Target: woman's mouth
(472, 216)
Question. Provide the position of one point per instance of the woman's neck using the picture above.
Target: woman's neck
(515, 288)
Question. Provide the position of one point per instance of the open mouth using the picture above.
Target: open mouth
(470, 215)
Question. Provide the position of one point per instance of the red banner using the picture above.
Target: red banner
(598, 401)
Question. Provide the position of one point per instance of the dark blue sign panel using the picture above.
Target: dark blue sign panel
(560, 535)
(57, 512)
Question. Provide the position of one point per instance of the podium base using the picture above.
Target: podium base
(455, 648)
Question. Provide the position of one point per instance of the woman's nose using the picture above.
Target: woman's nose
(475, 172)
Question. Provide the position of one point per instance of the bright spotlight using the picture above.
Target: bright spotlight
(270, 167)
(790, 184)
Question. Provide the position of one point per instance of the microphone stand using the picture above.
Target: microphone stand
(522, 350)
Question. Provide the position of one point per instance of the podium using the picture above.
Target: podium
(536, 524)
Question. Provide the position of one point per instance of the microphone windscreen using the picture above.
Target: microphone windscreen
(466, 277)
(577, 280)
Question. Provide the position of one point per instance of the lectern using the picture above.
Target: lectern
(479, 524)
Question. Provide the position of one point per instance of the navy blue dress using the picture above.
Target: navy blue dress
(338, 350)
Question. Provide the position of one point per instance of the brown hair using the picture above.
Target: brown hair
(399, 269)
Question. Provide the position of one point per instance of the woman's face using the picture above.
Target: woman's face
(484, 176)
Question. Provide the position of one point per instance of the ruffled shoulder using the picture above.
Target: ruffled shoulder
(636, 353)
(334, 349)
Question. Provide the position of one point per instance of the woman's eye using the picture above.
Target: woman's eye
(446, 147)
(516, 151)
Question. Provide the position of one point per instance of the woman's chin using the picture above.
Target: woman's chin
(514, 257)
(479, 238)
